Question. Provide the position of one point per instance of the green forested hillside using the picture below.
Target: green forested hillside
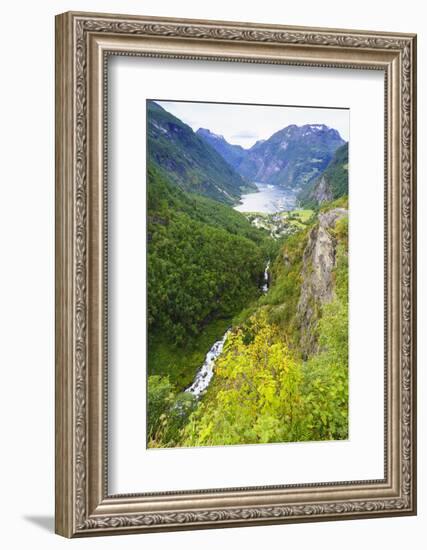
(164, 198)
(332, 184)
(337, 173)
(250, 319)
(205, 262)
(191, 163)
(264, 390)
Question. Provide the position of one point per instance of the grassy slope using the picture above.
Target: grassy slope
(164, 196)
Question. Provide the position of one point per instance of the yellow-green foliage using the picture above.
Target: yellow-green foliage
(167, 412)
(341, 202)
(280, 303)
(326, 374)
(263, 392)
(257, 396)
(283, 295)
(304, 215)
(264, 395)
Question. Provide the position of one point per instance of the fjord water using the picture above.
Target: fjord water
(268, 200)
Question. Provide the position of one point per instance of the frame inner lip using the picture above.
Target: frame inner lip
(318, 487)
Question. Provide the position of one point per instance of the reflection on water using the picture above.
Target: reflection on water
(269, 199)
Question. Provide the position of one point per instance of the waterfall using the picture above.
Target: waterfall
(265, 284)
(205, 373)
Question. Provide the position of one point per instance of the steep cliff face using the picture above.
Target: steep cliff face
(317, 288)
(293, 157)
(331, 185)
(189, 161)
(322, 191)
(233, 154)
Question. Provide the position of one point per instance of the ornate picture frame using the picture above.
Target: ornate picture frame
(84, 42)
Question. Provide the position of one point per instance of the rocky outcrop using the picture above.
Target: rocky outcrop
(317, 286)
(321, 192)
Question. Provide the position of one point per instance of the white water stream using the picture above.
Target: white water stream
(205, 374)
(264, 287)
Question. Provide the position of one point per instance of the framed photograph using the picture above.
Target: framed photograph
(235, 274)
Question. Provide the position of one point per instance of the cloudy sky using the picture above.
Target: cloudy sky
(246, 124)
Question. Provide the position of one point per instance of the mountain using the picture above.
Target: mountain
(292, 157)
(332, 184)
(190, 162)
(233, 154)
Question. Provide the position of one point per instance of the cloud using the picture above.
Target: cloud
(244, 124)
(245, 135)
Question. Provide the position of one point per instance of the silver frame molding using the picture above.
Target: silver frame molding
(83, 43)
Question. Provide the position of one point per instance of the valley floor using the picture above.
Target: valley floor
(282, 373)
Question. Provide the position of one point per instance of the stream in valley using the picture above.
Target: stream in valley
(205, 374)
(268, 200)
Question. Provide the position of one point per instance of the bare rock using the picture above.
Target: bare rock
(317, 277)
